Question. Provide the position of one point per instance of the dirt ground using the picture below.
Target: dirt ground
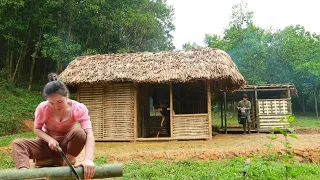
(222, 146)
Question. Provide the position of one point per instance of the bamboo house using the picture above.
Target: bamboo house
(122, 90)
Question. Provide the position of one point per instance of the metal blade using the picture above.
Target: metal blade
(63, 155)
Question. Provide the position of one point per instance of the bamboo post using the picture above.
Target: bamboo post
(257, 108)
(221, 111)
(289, 101)
(135, 113)
(102, 171)
(225, 111)
(209, 109)
(171, 111)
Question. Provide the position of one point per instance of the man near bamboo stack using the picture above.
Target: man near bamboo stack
(246, 105)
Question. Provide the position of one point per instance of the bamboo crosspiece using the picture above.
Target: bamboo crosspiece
(102, 171)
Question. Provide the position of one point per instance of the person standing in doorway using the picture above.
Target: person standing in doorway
(165, 112)
(245, 105)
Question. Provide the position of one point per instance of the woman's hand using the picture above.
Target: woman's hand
(53, 144)
(89, 168)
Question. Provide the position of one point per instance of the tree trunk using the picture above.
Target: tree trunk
(22, 57)
(17, 64)
(88, 37)
(33, 62)
(316, 101)
(11, 65)
(45, 77)
(303, 103)
(59, 36)
(8, 61)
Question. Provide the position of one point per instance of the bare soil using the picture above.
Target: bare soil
(222, 146)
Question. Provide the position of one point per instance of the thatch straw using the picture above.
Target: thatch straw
(160, 67)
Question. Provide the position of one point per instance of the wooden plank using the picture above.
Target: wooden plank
(271, 127)
(272, 116)
(272, 124)
(190, 115)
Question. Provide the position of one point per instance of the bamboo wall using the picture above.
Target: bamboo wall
(271, 111)
(111, 108)
(92, 97)
(191, 126)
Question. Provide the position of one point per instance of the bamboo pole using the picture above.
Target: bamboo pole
(135, 113)
(171, 111)
(289, 101)
(102, 171)
(209, 109)
(225, 111)
(221, 111)
(257, 108)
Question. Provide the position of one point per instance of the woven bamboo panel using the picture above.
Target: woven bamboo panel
(273, 106)
(92, 97)
(190, 126)
(270, 112)
(118, 112)
(267, 122)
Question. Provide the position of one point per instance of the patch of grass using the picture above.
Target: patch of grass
(232, 169)
(302, 120)
(6, 140)
(232, 119)
(306, 121)
(16, 104)
(100, 160)
(6, 160)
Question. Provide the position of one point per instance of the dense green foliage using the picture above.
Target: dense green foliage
(289, 55)
(41, 36)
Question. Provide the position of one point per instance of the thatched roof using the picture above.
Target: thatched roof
(158, 67)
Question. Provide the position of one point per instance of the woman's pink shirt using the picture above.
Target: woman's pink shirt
(43, 120)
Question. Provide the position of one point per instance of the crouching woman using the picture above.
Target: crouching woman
(55, 123)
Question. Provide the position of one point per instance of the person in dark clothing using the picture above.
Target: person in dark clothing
(245, 106)
(165, 112)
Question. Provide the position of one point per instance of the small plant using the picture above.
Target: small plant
(100, 160)
(288, 155)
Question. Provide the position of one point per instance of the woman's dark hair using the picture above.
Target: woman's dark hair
(55, 87)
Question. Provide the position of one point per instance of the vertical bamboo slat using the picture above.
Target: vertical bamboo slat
(171, 111)
(135, 113)
(209, 109)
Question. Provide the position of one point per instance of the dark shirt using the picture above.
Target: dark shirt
(166, 113)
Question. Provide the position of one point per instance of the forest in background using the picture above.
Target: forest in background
(272, 56)
(38, 37)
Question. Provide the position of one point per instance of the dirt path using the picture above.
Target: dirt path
(306, 148)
